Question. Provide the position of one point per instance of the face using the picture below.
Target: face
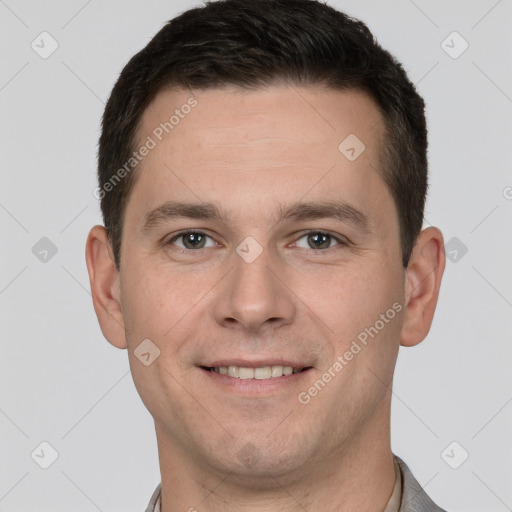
(252, 243)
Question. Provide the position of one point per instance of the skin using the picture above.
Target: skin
(250, 152)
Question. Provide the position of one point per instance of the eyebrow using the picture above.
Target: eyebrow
(300, 211)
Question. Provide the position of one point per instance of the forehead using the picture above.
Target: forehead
(281, 112)
(265, 146)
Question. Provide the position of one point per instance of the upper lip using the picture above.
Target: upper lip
(255, 364)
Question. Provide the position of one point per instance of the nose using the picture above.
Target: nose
(255, 296)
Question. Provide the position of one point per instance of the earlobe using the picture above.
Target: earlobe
(105, 289)
(423, 281)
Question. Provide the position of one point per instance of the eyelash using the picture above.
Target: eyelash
(341, 242)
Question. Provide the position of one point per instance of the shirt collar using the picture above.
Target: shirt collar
(396, 496)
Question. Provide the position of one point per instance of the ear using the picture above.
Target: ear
(105, 287)
(423, 280)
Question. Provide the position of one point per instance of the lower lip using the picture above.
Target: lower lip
(255, 386)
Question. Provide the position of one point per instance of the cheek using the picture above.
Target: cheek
(353, 300)
(156, 300)
(158, 307)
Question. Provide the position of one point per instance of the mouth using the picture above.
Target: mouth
(257, 373)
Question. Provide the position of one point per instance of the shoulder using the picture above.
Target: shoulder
(153, 505)
(414, 498)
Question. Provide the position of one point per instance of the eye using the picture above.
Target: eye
(319, 240)
(191, 240)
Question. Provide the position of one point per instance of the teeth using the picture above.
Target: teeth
(277, 371)
(262, 373)
(245, 373)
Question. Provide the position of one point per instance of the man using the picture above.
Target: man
(262, 176)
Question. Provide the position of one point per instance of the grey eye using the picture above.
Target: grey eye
(191, 240)
(318, 240)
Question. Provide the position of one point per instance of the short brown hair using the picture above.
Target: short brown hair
(253, 44)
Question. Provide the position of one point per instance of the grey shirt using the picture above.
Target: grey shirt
(407, 494)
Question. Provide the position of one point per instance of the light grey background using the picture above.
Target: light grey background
(62, 383)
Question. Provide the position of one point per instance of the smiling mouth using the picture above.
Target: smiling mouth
(261, 373)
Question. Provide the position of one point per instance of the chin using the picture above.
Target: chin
(262, 460)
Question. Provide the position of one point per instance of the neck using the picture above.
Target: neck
(358, 477)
